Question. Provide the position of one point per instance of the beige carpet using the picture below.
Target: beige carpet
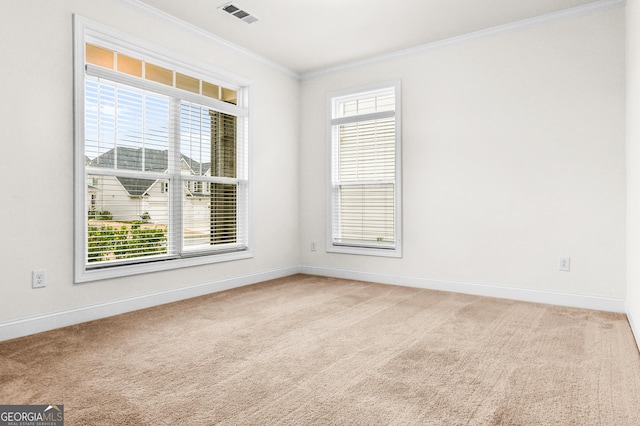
(309, 350)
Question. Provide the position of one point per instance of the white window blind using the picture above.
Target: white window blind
(163, 164)
(364, 186)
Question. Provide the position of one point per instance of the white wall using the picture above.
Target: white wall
(514, 155)
(36, 162)
(633, 164)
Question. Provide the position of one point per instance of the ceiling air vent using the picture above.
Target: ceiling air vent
(239, 13)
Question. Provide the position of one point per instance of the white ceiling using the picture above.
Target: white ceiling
(310, 35)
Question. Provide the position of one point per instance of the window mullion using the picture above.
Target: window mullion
(115, 127)
(175, 181)
(362, 117)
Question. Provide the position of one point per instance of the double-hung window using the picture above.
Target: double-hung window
(161, 159)
(364, 189)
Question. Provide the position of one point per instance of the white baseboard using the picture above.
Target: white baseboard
(635, 325)
(40, 323)
(523, 294)
(46, 322)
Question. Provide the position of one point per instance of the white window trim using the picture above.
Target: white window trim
(330, 121)
(88, 30)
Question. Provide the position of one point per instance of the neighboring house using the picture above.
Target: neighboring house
(128, 199)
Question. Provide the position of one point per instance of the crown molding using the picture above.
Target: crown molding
(598, 6)
(206, 35)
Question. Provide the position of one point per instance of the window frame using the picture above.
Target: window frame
(85, 31)
(331, 101)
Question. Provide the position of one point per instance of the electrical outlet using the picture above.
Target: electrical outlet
(38, 279)
(564, 264)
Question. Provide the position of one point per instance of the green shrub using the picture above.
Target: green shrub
(106, 242)
(100, 215)
(105, 215)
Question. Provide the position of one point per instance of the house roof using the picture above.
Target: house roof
(136, 187)
(155, 160)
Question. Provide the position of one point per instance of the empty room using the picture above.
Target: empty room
(320, 212)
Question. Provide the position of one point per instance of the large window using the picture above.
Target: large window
(161, 159)
(364, 191)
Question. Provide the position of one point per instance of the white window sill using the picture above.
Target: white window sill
(365, 251)
(83, 275)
